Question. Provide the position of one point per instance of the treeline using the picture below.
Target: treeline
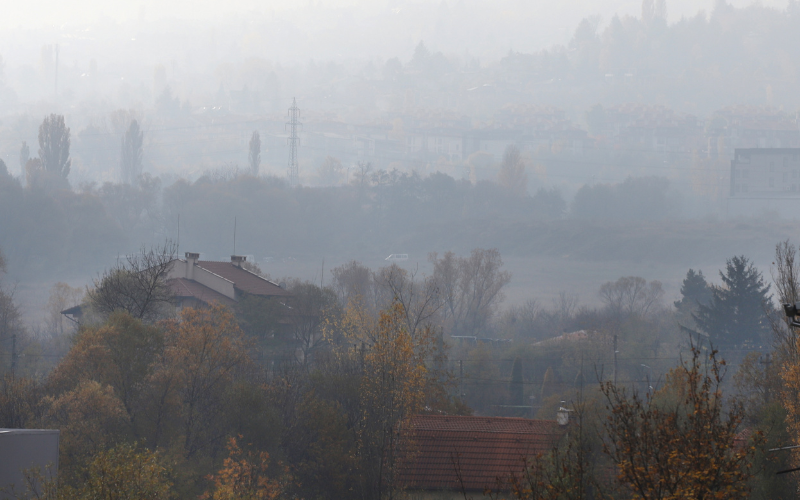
(674, 61)
(75, 232)
(257, 401)
(230, 404)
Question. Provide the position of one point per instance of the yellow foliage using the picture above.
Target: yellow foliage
(245, 476)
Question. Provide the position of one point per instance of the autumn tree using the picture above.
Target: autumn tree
(54, 146)
(680, 442)
(91, 418)
(131, 153)
(392, 391)
(254, 152)
(205, 353)
(122, 354)
(137, 285)
(567, 471)
(246, 475)
(736, 314)
(10, 317)
(123, 472)
(20, 402)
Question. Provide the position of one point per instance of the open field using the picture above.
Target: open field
(544, 258)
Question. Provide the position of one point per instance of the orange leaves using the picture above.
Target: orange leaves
(204, 352)
(680, 442)
(245, 476)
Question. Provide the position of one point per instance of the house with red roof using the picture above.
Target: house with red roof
(452, 455)
(198, 283)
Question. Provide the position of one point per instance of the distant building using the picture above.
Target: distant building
(765, 173)
(646, 128)
(741, 127)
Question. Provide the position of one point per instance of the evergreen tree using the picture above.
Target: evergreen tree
(694, 291)
(736, 313)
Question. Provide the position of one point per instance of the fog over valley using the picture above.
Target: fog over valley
(400, 249)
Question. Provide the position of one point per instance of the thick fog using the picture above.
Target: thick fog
(504, 209)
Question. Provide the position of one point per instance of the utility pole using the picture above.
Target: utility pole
(461, 378)
(615, 359)
(293, 125)
(767, 365)
(13, 355)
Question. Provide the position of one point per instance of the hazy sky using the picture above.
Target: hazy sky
(545, 22)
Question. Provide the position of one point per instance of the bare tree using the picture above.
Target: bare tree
(310, 305)
(631, 295)
(138, 285)
(470, 288)
(362, 175)
(419, 298)
(54, 146)
(353, 283)
(131, 158)
(254, 156)
(785, 272)
(62, 296)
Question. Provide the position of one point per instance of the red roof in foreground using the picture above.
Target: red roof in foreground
(479, 449)
(243, 279)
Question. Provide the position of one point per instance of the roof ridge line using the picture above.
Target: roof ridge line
(212, 272)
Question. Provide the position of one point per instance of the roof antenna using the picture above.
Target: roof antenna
(179, 234)
(234, 235)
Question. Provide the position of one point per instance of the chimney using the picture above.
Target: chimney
(237, 260)
(562, 416)
(191, 261)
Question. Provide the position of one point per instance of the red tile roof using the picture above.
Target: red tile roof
(242, 279)
(479, 449)
(183, 287)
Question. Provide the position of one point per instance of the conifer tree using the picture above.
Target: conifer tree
(736, 314)
(694, 291)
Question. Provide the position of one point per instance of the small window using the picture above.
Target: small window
(786, 177)
(771, 182)
(785, 162)
(772, 166)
